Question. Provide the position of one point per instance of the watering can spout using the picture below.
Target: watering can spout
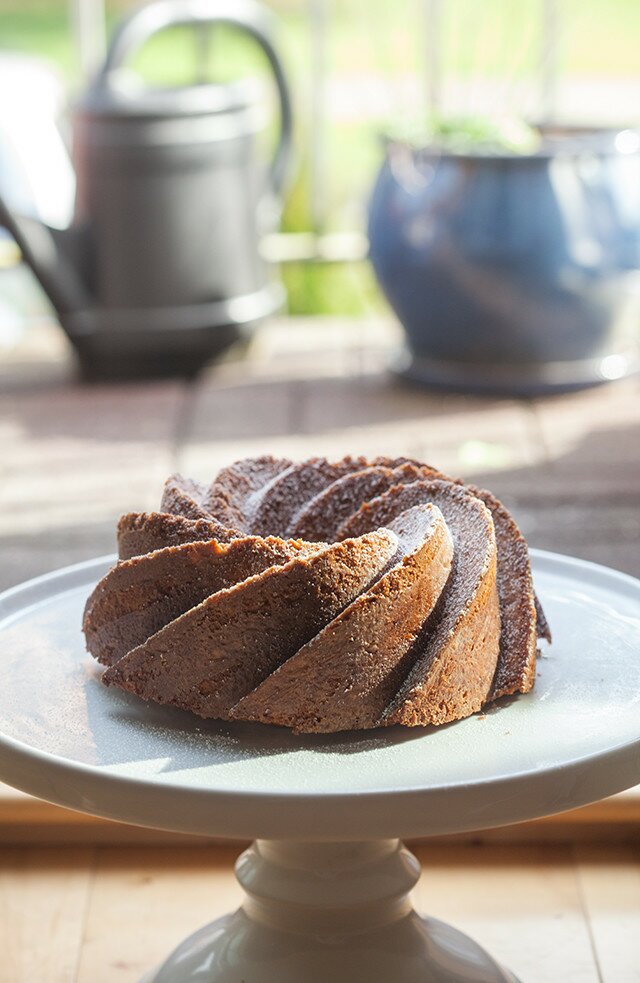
(47, 252)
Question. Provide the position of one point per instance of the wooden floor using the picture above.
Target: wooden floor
(553, 914)
(74, 457)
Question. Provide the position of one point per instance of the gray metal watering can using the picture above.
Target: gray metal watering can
(161, 267)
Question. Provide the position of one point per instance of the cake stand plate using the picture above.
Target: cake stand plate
(327, 880)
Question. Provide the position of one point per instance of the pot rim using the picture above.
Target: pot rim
(573, 140)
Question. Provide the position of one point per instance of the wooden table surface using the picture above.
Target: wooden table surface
(75, 456)
(553, 914)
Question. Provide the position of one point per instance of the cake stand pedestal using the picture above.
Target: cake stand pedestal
(327, 881)
(319, 912)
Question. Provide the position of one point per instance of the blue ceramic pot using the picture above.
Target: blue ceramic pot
(512, 273)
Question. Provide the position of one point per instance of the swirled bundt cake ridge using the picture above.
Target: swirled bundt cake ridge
(184, 496)
(431, 692)
(320, 595)
(235, 492)
(323, 514)
(207, 659)
(143, 532)
(280, 501)
(140, 596)
(345, 676)
(518, 613)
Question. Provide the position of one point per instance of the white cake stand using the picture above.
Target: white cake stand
(327, 880)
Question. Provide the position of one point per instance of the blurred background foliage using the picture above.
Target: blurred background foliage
(375, 57)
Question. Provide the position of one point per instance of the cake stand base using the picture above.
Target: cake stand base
(328, 913)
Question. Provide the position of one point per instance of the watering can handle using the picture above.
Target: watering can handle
(248, 15)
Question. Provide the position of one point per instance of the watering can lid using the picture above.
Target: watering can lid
(127, 96)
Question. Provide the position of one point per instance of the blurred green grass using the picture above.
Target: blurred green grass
(597, 37)
(494, 38)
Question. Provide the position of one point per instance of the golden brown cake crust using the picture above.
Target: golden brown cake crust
(344, 677)
(471, 593)
(410, 601)
(234, 494)
(184, 496)
(143, 532)
(323, 514)
(277, 506)
(140, 596)
(516, 667)
(209, 658)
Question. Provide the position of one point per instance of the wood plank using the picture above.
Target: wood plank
(567, 421)
(610, 884)
(523, 906)
(43, 901)
(145, 901)
(522, 903)
(380, 415)
(255, 406)
(41, 357)
(74, 458)
(586, 500)
(327, 390)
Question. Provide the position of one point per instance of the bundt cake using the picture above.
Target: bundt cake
(320, 596)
